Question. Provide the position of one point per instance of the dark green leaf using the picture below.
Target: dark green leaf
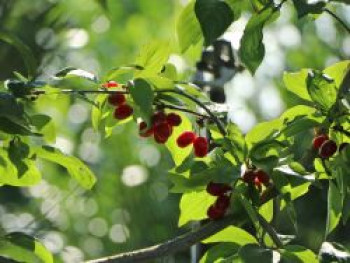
(188, 28)
(294, 254)
(71, 72)
(23, 49)
(75, 167)
(45, 126)
(232, 234)
(304, 8)
(220, 253)
(252, 50)
(322, 90)
(335, 205)
(214, 16)
(143, 95)
(253, 253)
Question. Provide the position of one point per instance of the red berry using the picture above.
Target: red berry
(185, 139)
(327, 149)
(116, 99)
(159, 117)
(110, 84)
(262, 177)
(248, 176)
(144, 131)
(218, 189)
(257, 183)
(123, 111)
(162, 132)
(174, 119)
(223, 202)
(215, 213)
(319, 140)
(200, 145)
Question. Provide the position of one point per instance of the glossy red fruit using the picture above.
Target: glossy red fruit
(248, 176)
(110, 84)
(162, 132)
(185, 139)
(218, 189)
(116, 99)
(215, 213)
(158, 117)
(144, 131)
(327, 149)
(223, 202)
(257, 183)
(200, 145)
(319, 140)
(174, 119)
(123, 111)
(262, 177)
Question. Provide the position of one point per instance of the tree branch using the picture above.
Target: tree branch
(169, 247)
(345, 26)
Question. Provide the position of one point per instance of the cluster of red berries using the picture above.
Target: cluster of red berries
(162, 126)
(200, 144)
(257, 177)
(326, 147)
(122, 110)
(222, 203)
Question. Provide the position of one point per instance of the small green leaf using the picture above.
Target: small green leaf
(71, 72)
(304, 8)
(10, 127)
(194, 206)
(252, 50)
(322, 90)
(337, 71)
(294, 253)
(334, 207)
(169, 71)
(97, 111)
(45, 126)
(214, 17)
(143, 95)
(152, 58)
(23, 49)
(220, 253)
(253, 253)
(30, 244)
(75, 167)
(188, 28)
(179, 155)
(232, 234)
(295, 82)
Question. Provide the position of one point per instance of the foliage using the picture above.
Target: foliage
(152, 86)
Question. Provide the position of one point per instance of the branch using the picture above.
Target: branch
(346, 27)
(169, 247)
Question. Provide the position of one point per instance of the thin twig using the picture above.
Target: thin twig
(169, 247)
(346, 27)
(173, 107)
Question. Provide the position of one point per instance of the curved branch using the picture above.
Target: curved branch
(169, 247)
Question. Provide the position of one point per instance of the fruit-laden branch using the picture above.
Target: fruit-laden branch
(171, 246)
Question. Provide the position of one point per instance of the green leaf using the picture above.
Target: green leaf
(118, 72)
(23, 49)
(10, 127)
(75, 167)
(258, 5)
(30, 244)
(214, 16)
(304, 8)
(143, 95)
(97, 111)
(295, 82)
(334, 207)
(179, 154)
(188, 28)
(45, 126)
(152, 58)
(266, 210)
(252, 50)
(18, 172)
(322, 90)
(253, 253)
(232, 234)
(194, 206)
(220, 253)
(169, 71)
(71, 72)
(337, 71)
(294, 253)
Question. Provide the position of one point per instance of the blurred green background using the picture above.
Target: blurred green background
(131, 207)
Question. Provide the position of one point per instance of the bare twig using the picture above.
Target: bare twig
(169, 247)
(345, 26)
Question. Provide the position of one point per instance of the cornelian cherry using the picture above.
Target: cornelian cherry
(328, 148)
(218, 189)
(116, 99)
(319, 140)
(185, 139)
(174, 119)
(110, 84)
(144, 131)
(215, 212)
(200, 145)
(123, 111)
